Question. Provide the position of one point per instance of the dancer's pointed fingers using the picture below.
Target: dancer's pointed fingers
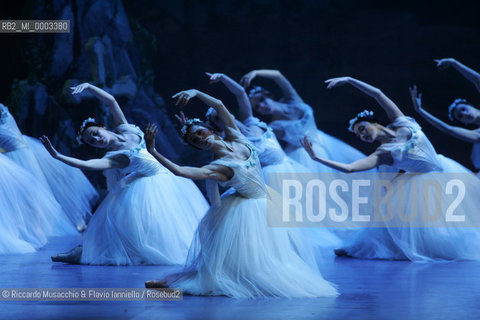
(177, 94)
(184, 119)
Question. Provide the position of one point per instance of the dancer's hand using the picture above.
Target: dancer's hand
(247, 79)
(416, 98)
(150, 134)
(214, 77)
(181, 118)
(80, 88)
(443, 64)
(183, 97)
(48, 145)
(335, 82)
(307, 145)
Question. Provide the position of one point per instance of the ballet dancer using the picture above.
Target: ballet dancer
(68, 185)
(405, 148)
(459, 111)
(29, 214)
(149, 215)
(277, 166)
(235, 253)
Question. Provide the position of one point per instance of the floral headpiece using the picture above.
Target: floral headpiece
(189, 123)
(364, 115)
(257, 89)
(452, 107)
(82, 129)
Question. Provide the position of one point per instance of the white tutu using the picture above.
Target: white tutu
(418, 239)
(69, 186)
(28, 213)
(148, 217)
(236, 254)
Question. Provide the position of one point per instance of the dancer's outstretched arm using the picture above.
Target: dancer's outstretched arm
(372, 161)
(105, 97)
(393, 112)
(212, 172)
(469, 74)
(457, 132)
(183, 97)
(245, 107)
(118, 161)
(287, 89)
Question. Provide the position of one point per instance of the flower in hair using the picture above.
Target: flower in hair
(82, 129)
(452, 107)
(189, 123)
(364, 115)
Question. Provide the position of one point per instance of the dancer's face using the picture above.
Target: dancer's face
(366, 131)
(200, 137)
(97, 137)
(263, 104)
(465, 113)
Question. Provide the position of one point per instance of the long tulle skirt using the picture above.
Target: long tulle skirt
(236, 254)
(69, 185)
(28, 212)
(150, 220)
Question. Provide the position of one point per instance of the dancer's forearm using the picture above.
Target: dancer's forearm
(364, 164)
(468, 73)
(245, 107)
(194, 173)
(93, 164)
(109, 100)
(472, 136)
(385, 102)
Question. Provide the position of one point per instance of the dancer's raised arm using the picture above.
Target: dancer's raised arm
(245, 107)
(118, 161)
(372, 161)
(287, 89)
(470, 74)
(457, 132)
(393, 112)
(105, 97)
(183, 97)
(212, 172)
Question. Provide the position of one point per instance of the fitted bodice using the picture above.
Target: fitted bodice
(299, 122)
(247, 177)
(10, 136)
(268, 148)
(416, 154)
(141, 162)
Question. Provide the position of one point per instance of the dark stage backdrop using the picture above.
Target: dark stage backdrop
(389, 44)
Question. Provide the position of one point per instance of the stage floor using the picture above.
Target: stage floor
(369, 290)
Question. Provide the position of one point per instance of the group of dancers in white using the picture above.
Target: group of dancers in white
(154, 213)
